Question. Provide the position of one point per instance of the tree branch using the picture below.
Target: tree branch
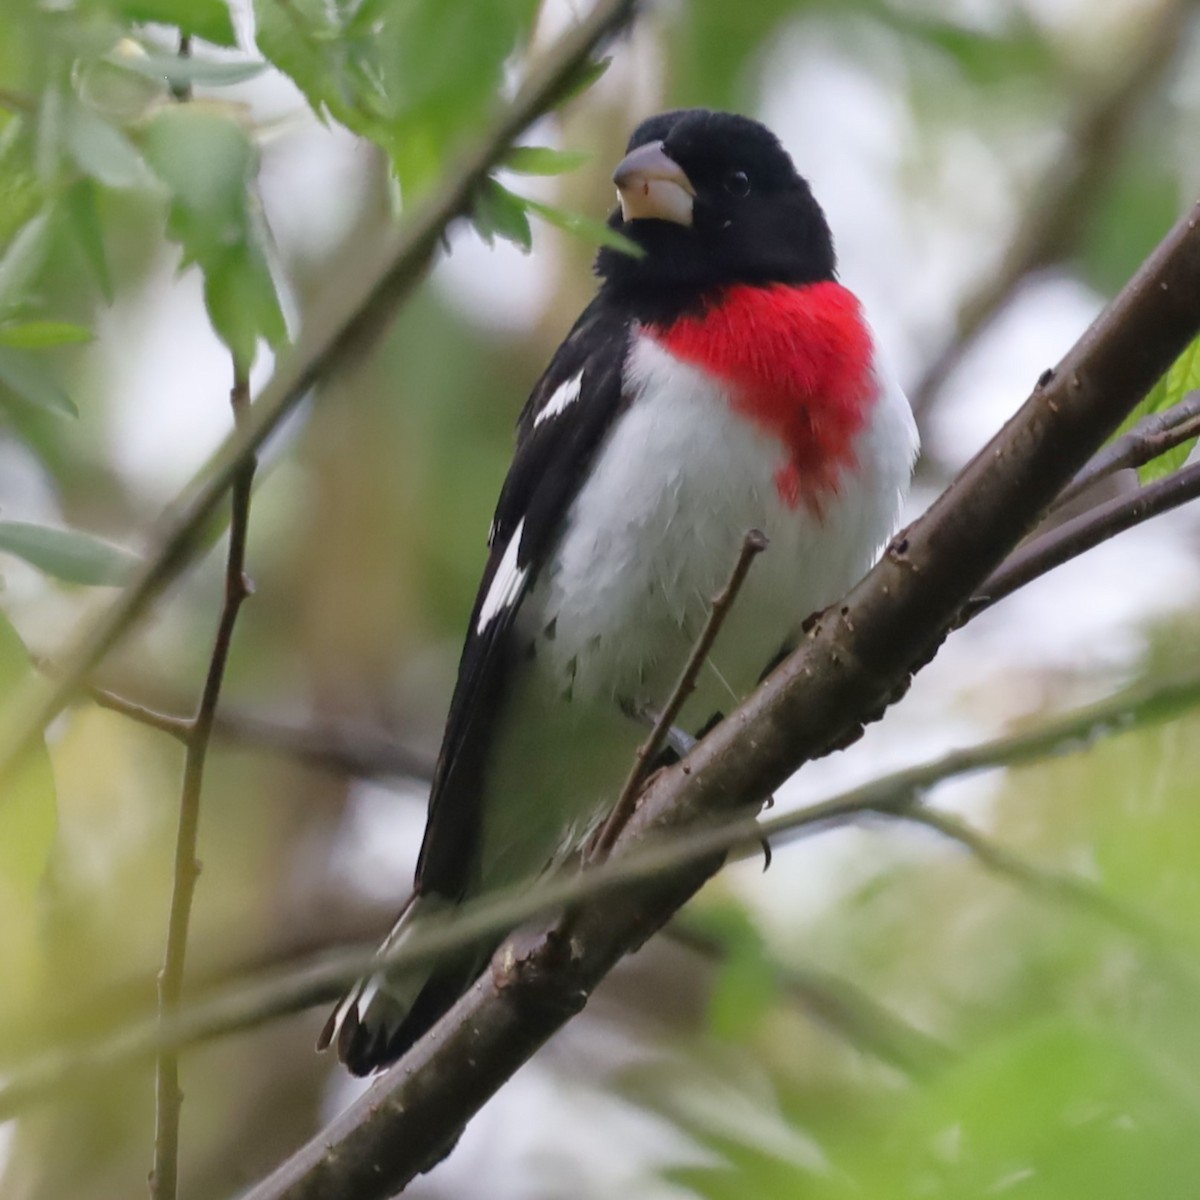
(1072, 538)
(357, 310)
(180, 728)
(854, 661)
(348, 750)
(369, 754)
(252, 1002)
(1070, 188)
(164, 1176)
(1147, 440)
(17, 102)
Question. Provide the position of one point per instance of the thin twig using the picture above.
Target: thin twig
(753, 544)
(1070, 539)
(373, 756)
(1147, 440)
(354, 313)
(1073, 184)
(181, 88)
(353, 750)
(250, 1003)
(164, 1177)
(180, 728)
(17, 102)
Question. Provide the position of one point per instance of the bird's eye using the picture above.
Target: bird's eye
(737, 183)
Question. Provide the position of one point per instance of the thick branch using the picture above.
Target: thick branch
(370, 754)
(853, 663)
(250, 1003)
(358, 308)
(164, 1177)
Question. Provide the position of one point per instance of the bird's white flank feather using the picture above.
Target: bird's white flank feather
(648, 541)
(506, 583)
(562, 398)
(653, 534)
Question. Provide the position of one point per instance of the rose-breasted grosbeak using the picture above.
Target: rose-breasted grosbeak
(722, 381)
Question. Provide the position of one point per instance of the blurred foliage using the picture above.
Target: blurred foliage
(1072, 1047)
(1074, 1058)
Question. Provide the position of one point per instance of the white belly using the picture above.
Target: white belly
(651, 537)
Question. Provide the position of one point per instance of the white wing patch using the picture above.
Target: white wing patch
(562, 398)
(506, 583)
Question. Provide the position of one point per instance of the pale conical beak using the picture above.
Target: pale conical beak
(653, 186)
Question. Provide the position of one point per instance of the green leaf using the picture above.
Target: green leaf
(587, 228)
(100, 150)
(83, 217)
(68, 554)
(1182, 377)
(38, 335)
(501, 213)
(207, 19)
(427, 73)
(285, 38)
(541, 160)
(188, 71)
(22, 260)
(208, 163)
(27, 802)
(239, 292)
(23, 376)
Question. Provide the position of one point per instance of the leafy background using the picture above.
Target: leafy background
(976, 1038)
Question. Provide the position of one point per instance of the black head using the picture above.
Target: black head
(713, 199)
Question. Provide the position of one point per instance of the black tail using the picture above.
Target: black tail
(384, 1014)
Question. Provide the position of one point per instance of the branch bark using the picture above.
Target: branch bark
(1150, 437)
(855, 660)
(352, 749)
(1080, 534)
(164, 1175)
(252, 1002)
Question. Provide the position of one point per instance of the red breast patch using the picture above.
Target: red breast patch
(798, 361)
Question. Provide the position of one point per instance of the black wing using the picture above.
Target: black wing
(558, 433)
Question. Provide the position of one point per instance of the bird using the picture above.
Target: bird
(721, 380)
